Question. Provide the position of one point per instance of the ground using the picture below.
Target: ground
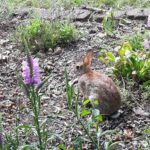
(61, 121)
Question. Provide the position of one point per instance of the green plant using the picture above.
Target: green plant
(136, 41)
(108, 23)
(128, 63)
(39, 3)
(45, 35)
(31, 84)
(10, 142)
(69, 3)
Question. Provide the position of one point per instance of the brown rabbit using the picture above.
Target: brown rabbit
(98, 86)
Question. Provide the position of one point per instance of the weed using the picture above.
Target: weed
(39, 3)
(108, 23)
(136, 41)
(128, 63)
(45, 35)
(70, 3)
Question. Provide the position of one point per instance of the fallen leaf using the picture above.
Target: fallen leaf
(128, 133)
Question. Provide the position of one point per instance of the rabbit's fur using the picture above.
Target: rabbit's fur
(98, 86)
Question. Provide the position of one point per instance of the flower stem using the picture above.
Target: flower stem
(35, 110)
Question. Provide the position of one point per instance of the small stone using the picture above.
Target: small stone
(45, 105)
(141, 112)
(81, 14)
(3, 42)
(58, 51)
(6, 104)
(101, 35)
(119, 14)
(45, 112)
(21, 12)
(48, 68)
(138, 13)
(45, 98)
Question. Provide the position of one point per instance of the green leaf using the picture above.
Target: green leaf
(107, 132)
(147, 130)
(126, 47)
(100, 118)
(146, 83)
(110, 56)
(26, 147)
(96, 102)
(24, 127)
(114, 144)
(85, 112)
(86, 102)
(62, 147)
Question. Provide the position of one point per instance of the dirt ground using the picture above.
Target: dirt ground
(61, 122)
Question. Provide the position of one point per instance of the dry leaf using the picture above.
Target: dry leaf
(128, 133)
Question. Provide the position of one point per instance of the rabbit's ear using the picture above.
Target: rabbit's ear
(88, 57)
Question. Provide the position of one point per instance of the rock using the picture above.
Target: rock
(141, 112)
(98, 18)
(3, 58)
(6, 104)
(81, 14)
(48, 68)
(4, 42)
(58, 51)
(45, 112)
(92, 31)
(119, 14)
(101, 35)
(45, 98)
(138, 13)
(21, 12)
(43, 13)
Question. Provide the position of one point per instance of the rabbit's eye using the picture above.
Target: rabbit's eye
(77, 67)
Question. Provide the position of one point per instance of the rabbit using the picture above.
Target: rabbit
(98, 86)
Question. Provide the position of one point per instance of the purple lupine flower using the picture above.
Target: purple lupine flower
(148, 21)
(30, 71)
(146, 43)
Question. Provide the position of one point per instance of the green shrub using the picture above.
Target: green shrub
(128, 63)
(45, 35)
(136, 41)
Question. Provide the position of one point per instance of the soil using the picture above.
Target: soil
(60, 121)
